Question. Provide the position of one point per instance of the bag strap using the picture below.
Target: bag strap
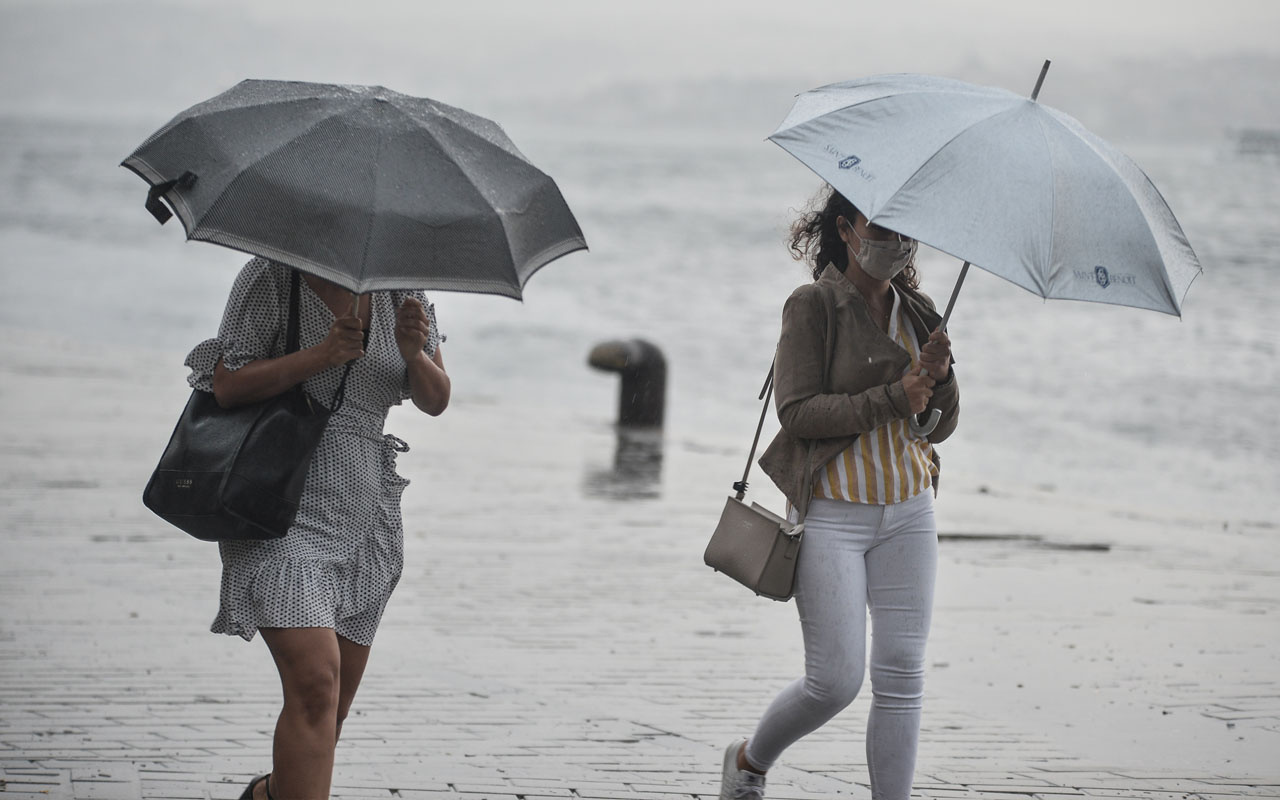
(291, 332)
(766, 392)
(292, 335)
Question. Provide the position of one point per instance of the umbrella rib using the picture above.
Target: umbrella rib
(877, 98)
(490, 145)
(317, 123)
(1053, 199)
(1088, 139)
(373, 213)
(195, 114)
(446, 146)
(207, 115)
(502, 217)
(938, 150)
(1181, 239)
(154, 176)
(513, 152)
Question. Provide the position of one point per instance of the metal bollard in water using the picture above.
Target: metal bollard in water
(643, 395)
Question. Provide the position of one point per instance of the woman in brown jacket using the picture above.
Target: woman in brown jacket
(860, 353)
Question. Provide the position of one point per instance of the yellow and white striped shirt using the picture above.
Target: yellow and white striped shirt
(889, 464)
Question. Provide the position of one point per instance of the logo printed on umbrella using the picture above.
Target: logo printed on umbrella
(1105, 277)
(851, 163)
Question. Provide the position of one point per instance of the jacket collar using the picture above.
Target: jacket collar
(837, 280)
(919, 311)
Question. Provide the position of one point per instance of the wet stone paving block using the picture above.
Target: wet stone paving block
(551, 643)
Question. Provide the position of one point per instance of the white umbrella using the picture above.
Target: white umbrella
(998, 180)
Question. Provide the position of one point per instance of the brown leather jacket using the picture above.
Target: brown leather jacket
(831, 390)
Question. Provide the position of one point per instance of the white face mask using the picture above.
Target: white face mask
(884, 260)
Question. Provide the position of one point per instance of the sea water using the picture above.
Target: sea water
(688, 232)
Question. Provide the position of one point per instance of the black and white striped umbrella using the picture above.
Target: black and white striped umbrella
(362, 186)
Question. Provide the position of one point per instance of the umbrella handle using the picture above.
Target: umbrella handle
(922, 425)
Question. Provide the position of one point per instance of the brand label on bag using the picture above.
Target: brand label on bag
(183, 483)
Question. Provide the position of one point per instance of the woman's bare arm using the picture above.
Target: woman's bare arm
(428, 382)
(268, 377)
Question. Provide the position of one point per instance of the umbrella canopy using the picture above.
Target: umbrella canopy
(362, 186)
(998, 180)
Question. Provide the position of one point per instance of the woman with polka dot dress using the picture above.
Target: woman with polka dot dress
(318, 593)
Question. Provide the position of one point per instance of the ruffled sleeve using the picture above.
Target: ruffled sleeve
(252, 325)
(434, 338)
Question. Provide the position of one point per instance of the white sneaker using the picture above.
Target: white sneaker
(739, 784)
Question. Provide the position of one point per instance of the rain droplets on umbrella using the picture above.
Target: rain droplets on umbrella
(998, 180)
(362, 186)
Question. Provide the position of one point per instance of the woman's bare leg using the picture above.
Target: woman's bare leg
(310, 665)
(354, 658)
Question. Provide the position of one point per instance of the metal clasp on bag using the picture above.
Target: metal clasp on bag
(793, 546)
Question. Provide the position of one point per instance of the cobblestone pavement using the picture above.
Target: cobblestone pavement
(556, 635)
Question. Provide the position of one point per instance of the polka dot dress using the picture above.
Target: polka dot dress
(337, 566)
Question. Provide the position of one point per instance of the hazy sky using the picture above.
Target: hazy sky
(751, 35)
(132, 56)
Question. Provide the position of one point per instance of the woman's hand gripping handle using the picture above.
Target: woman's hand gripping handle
(935, 366)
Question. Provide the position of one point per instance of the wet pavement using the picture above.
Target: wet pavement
(556, 635)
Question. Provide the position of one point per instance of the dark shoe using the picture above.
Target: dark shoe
(253, 784)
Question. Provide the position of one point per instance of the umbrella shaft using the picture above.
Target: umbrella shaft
(954, 294)
(1040, 81)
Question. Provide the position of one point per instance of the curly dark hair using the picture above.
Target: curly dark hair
(815, 241)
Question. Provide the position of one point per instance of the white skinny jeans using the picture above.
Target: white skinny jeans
(857, 556)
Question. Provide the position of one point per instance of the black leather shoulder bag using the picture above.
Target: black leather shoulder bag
(232, 474)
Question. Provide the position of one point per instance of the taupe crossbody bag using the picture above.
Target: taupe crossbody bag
(751, 544)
